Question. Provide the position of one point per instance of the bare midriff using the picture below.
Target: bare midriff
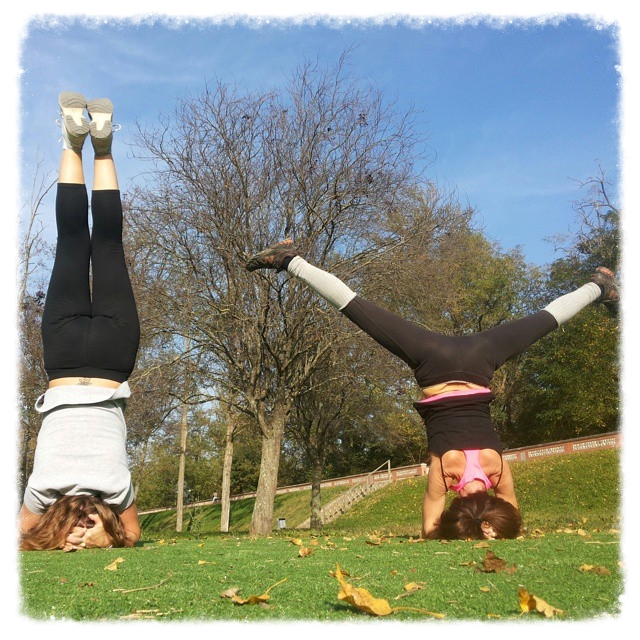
(84, 382)
(447, 387)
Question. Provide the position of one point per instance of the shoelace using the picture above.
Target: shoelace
(114, 127)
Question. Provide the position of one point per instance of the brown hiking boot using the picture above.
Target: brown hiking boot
(273, 257)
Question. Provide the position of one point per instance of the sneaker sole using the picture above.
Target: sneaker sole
(100, 110)
(72, 105)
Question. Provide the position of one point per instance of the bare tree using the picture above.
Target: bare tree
(321, 161)
(31, 295)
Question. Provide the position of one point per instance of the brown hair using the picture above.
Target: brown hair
(463, 519)
(51, 531)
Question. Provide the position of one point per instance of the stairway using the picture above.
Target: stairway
(344, 502)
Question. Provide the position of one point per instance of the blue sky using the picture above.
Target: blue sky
(515, 114)
(517, 100)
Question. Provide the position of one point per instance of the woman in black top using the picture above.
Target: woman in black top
(454, 373)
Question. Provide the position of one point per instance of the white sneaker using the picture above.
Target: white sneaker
(101, 128)
(74, 125)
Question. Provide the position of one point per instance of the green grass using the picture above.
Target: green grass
(293, 507)
(579, 490)
(571, 510)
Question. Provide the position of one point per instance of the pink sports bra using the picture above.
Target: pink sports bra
(472, 471)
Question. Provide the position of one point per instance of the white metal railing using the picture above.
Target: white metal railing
(338, 506)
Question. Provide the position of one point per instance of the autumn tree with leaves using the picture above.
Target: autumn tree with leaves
(568, 383)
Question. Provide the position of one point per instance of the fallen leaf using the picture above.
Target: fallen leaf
(481, 545)
(493, 564)
(296, 541)
(256, 599)
(114, 565)
(362, 600)
(229, 593)
(529, 602)
(206, 562)
(601, 571)
(304, 552)
(485, 589)
(410, 588)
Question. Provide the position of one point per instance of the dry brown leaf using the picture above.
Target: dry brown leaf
(485, 589)
(229, 593)
(493, 564)
(601, 571)
(304, 552)
(362, 600)
(296, 541)
(256, 599)
(114, 565)
(410, 588)
(529, 602)
(481, 545)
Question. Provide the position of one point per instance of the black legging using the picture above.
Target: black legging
(435, 358)
(89, 330)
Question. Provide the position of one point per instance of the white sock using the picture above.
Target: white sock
(567, 306)
(326, 285)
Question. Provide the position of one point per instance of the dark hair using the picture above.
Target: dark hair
(57, 522)
(463, 519)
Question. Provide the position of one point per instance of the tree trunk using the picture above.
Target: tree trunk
(262, 518)
(316, 498)
(226, 476)
(183, 450)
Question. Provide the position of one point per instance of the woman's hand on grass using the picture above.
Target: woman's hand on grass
(82, 537)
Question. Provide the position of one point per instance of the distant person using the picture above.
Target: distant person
(454, 373)
(80, 493)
